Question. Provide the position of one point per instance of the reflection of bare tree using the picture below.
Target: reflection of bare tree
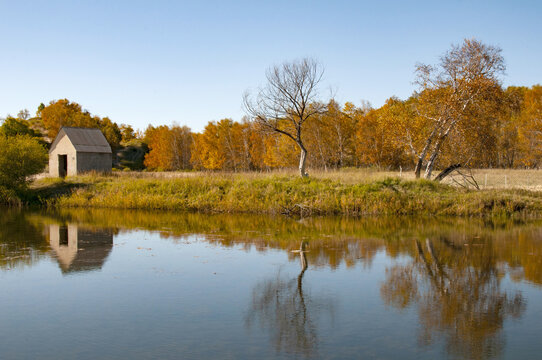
(458, 294)
(283, 307)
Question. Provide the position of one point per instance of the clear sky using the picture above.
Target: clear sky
(189, 62)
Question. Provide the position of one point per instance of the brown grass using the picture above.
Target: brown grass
(486, 178)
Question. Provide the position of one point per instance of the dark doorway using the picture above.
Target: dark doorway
(62, 165)
(63, 236)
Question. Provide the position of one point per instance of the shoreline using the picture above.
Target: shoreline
(282, 194)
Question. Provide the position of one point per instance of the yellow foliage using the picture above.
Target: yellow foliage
(169, 148)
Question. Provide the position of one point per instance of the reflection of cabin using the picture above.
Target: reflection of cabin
(80, 249)
(78, 150)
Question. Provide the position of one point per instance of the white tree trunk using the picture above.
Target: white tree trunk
(302, 161)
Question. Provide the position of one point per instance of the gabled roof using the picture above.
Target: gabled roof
(84, 140)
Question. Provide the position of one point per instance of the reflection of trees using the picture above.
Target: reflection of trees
(288, 311)
(334, 241)
(21, 242)
(457, 292)
(26, 238)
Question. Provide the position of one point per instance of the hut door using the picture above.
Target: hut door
(63, 236)
(62, 165)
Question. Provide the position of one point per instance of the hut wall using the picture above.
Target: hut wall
(94, 162)
(64, 147)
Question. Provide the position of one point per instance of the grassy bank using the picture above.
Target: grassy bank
(286, 194)
(9, 197)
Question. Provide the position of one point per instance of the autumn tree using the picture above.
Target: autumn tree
(383, 135)
(181, 137)
(257, 148)
(110, 130)
(207, 148)
(65, 113)
(530, 127)
(330, 136)
(509, 147)
(287, 101)
(343, 130)
(519, 128)
(169, 147)
(474, 141)
(223, 145)
(127, 133)
(449, 90)
(159, 155)
(279, 152)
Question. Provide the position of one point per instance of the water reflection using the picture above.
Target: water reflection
(290, 314)
(26, 238)
(456, 288)
(334, 241)
(78, 249)
(21, 242)
(461, 277)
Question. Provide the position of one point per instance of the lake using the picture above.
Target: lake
(84, 284)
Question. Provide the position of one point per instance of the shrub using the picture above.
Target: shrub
(20, 157)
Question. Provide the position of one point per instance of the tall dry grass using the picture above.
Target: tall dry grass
(527, 179)
(345, 192)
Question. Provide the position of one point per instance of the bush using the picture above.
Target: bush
(20, 157)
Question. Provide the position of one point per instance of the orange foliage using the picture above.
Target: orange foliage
(65, 113)
(169, 147)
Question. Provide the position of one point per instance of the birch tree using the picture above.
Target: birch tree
(287, 101)
(449, 90)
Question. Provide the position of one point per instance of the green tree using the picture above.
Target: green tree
(13, 126)
(20, 157)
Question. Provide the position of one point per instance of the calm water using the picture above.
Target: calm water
(136, 285)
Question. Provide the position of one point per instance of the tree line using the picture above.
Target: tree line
(460, 115)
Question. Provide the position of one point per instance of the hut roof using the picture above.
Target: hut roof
(84, 140)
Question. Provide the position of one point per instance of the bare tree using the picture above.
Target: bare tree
(287, 101)
(449, 91)
(291, 314)
(24, 114)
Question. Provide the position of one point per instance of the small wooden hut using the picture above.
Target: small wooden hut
(78, 150)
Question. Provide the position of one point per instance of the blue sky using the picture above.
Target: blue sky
(159, 62)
